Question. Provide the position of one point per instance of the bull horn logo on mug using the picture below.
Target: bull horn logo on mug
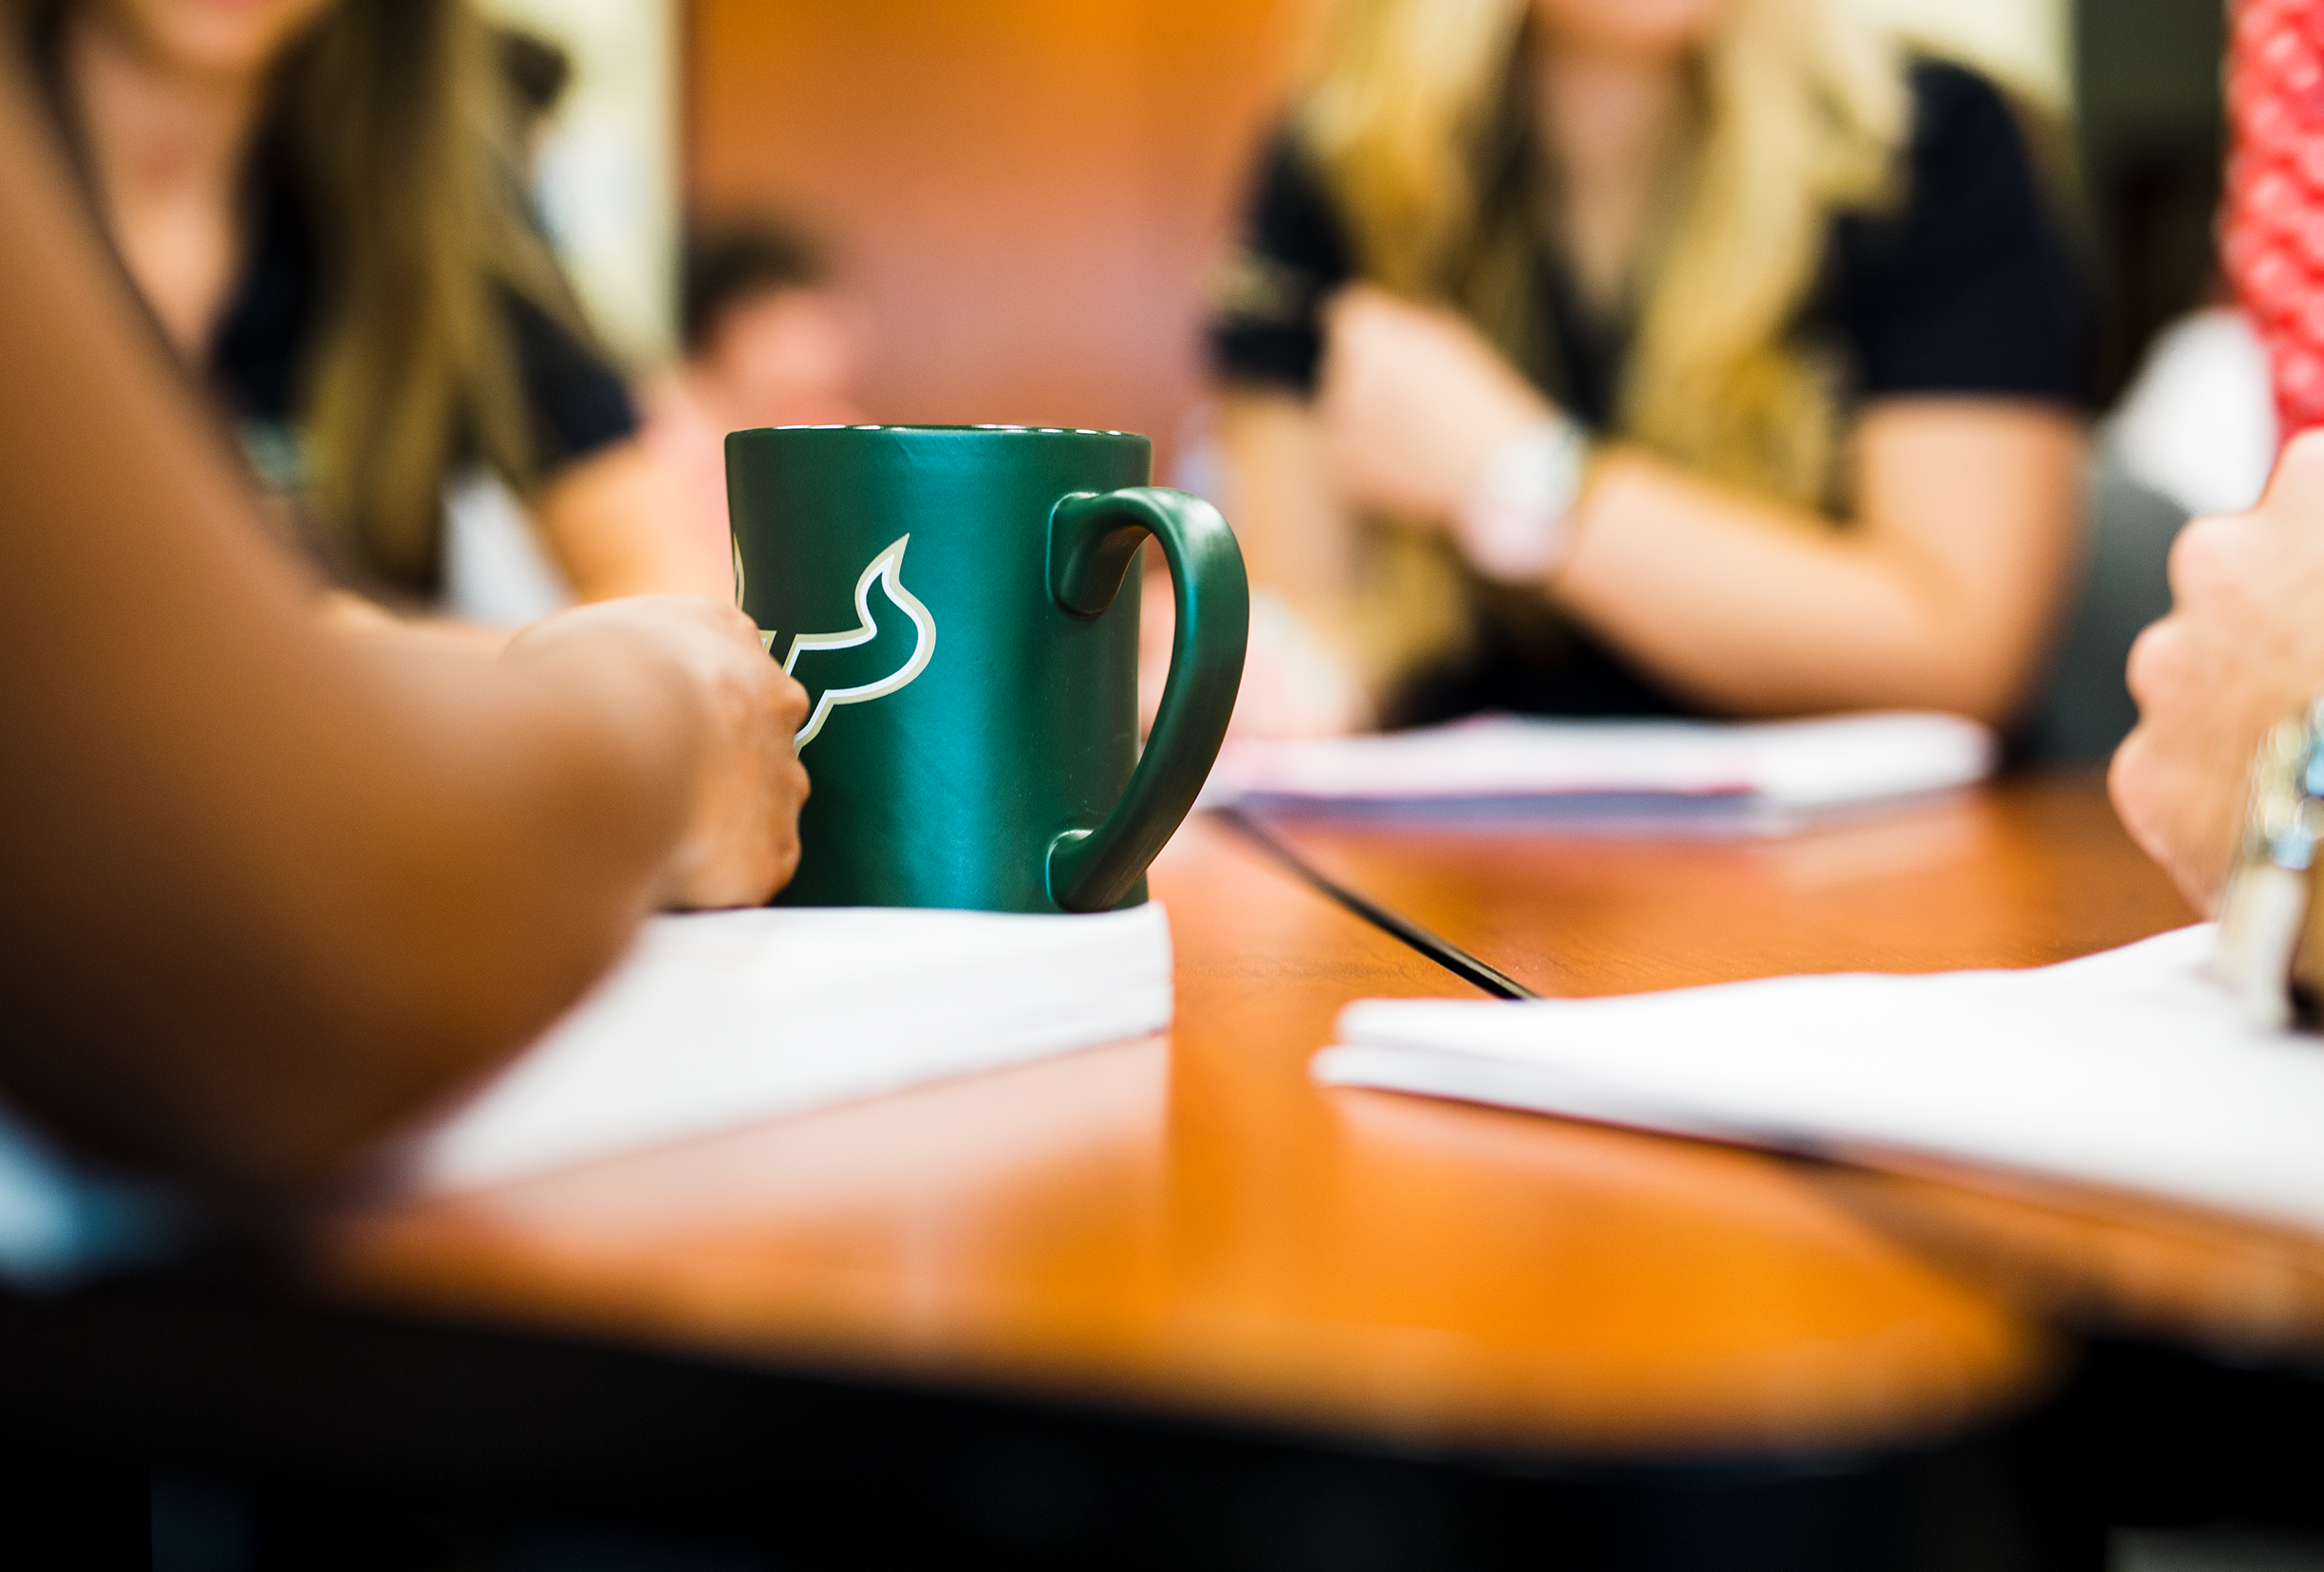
(822, 676)
(1008, 775)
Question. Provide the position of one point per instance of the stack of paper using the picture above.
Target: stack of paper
(2128, 1069)
(723, 1020)
(1609, 775)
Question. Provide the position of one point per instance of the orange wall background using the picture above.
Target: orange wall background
(1030, 193)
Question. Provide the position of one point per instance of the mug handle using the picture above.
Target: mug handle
(1093, 538)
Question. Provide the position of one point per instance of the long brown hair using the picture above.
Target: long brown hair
(389, 117)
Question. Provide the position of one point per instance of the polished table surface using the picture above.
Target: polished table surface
(1189, 1226)
(2025, 873)
(2028, 871)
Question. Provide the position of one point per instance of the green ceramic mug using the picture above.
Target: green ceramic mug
(958, 604)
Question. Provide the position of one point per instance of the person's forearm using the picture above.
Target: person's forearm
(353, 616)
(1938, 592)
(619, 524)
(1752, 609)
(361, 944)
(269, 889)
(500, 870)
(1297, 536)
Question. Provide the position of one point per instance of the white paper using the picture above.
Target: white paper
(721, 1019)
(2128, 1069)
(1764, 778)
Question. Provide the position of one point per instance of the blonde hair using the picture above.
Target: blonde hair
(1417, 120)
(388, 115)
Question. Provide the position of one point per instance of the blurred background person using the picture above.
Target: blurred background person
(315, 201)
(1708, 356)
(769, 338)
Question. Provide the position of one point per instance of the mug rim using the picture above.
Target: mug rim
(991, 429)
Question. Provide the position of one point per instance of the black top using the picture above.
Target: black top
(265, 335)
(1969, 285)
(256, 362)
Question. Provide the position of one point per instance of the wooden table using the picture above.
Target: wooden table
(1193, 1224)
(1187, 1232)
(2029, 871)
(1168, 1302)
(2033, 871)
(2200, 1336)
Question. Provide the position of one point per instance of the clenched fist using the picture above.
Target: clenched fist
(1414, 401)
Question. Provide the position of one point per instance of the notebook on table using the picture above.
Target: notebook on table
(2128, 1070)
(719, 1020)
(1611, 776)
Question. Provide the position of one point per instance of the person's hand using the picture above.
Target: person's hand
(2241, 649)
(741, 839)
(1413, 401)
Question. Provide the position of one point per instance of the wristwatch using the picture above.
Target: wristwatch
(2271, 951)
(1514, 524)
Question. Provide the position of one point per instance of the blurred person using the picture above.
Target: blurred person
(314, 201)
(1600, 357)
(770, 339)
(276, 886)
